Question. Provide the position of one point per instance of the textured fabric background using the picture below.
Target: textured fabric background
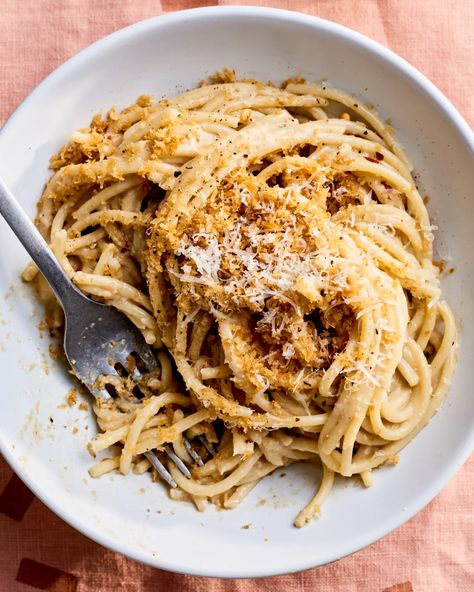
(432, 552)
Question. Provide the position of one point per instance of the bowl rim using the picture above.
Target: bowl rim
(431, 92)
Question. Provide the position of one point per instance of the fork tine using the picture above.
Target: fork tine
(192, 453)
(136, 375)
(177, 461)
(161, 469)
(147, 357)
(100, 393)
(207, 445)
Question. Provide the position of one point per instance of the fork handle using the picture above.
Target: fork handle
(34, 243)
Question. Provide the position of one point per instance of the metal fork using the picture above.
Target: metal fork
(97, 337)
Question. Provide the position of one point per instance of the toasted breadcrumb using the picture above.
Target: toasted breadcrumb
(71, 398)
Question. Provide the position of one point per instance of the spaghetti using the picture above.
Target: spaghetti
(273, 247)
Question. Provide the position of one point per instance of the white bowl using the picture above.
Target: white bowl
(164, 56)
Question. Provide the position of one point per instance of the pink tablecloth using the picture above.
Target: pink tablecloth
(432, 552)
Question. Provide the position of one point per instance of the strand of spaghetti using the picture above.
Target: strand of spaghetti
(178, 443)
(215, 372)
(258, 471)
(419, 401)
(132, 199)
(159, 118)
(149, 408)
(106, 217)
(126, 420)
(211, 117)
(393, 247)
(212, 489)
(166, 371)
(239, 494)
(103, 441)
(365, 112)
(104, 466)
(103, 196)
(298, 421)
(374, 149)
(290, 405)
(71, 176)
(221, 464)
(141, 466)
(45, 216)
(314, 506)
(408, 372)
(385, 215)
(427, 327)
(118, 122)
(385, 195)
(367, 438)
(74, 244)
(169, 434)
(104, 260)
(410, 278)
(198, 335)
(264, 102)
(367, 478)
(60, 218)
(380, 171)
(59, 248)
(113, 287)
(445, 350)
(112, 436)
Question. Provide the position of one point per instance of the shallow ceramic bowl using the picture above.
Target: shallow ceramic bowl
(164, 56)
